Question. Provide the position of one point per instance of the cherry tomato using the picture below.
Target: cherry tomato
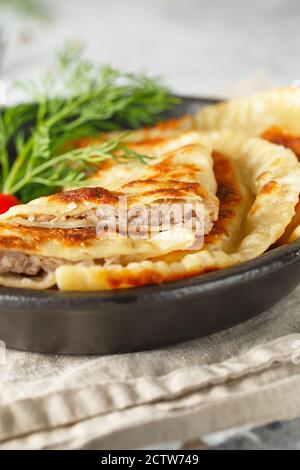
(7, 201)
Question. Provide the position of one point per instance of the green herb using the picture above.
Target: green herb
(32, 8)
(98, 98)
(71, 168)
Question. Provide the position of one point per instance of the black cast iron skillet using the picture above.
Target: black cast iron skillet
(147, 317)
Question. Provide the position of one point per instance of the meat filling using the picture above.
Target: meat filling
(16, 262)
(30, 265)
(148, 224)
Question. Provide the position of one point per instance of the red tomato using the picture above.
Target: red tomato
(7, 201)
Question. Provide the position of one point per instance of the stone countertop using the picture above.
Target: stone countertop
(213, 48)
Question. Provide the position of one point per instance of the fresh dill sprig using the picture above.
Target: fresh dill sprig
(76, 98)
(72, 167)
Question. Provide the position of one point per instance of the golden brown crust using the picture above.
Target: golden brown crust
(186, 173)
(286, 139)
(162, 189)
(57, 226)
(275, 115)
(281, 137)
(30, 239)
(292, 231)
(149, 277)
(146, 137)
(258, 189)
(255, 114)
(142, 274)
(231, 198)
(229, 195)
(79, 196)
(273, 176)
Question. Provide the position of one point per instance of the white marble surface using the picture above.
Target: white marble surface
(202, 47)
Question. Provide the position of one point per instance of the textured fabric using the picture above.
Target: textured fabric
(242, 376)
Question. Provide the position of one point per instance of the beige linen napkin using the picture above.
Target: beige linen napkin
(247, 375)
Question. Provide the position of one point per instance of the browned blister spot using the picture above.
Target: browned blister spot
(147, 142)
(129, 279)
(86, 141)
(166, 169)
(96, 195)
(165, 189)
(291, 227)
(175, 123)
(262, 176)
(269, 188)
(221, 226)
(228, 194)
(281, 137)
(149, 276)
